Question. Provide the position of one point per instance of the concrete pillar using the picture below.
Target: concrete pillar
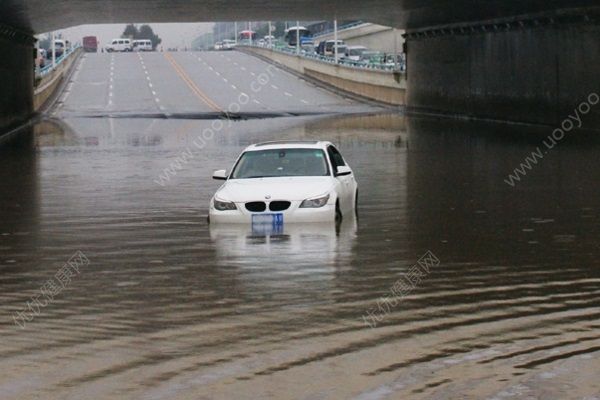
(532, 71)
(16, 77)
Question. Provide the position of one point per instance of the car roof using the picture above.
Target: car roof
(289, 144)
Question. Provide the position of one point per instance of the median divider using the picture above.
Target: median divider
(387, 87)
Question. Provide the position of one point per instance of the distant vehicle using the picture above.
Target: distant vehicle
(90, 44)
(329, 47)
(40, 59)
(119, 45)
(218, 46)
(261, 42)
(341, 52)
(308, 47)
(355, 52)
(142, 45)
(285, 182)
(247, 36)
(369, 57)
(229, 44)
(292, 34)
(59, 48)
(269, 39)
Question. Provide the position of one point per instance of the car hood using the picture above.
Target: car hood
(292, 189)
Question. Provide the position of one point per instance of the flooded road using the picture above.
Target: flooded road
(169, 307)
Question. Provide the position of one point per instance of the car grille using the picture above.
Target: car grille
(275, 206)
(278, 206)
(256, 206)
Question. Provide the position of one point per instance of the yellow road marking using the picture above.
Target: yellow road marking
(192, 85)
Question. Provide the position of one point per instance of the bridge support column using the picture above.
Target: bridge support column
(536, 70)
(16, 77)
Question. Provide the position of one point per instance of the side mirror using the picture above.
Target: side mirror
(220, 175)
(343, 171)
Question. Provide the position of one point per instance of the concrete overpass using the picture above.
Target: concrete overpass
(527, 61)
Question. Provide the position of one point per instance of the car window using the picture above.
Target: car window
(336, 158)
(281, 163)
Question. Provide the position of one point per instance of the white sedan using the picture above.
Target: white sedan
(285, 182)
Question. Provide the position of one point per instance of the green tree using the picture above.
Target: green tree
(147, 33)
(46, 42)
(130, 32)
(143, 32)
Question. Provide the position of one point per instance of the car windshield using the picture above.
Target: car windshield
(281, 163)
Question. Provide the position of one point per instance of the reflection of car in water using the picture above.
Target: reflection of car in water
(300, 262)
(285, 182)
(309, 242)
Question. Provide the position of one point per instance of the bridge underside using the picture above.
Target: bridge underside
(510, 60)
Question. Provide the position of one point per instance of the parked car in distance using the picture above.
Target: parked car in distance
(119, 45)
(142, 45)
(354, 53)
(90, 44)
(218, 46)
(285, 182)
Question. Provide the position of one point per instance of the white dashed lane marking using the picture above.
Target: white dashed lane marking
(288, 94)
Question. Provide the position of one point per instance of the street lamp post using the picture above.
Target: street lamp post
(53, 51)
(298, 37)
(270, 34)
(335, 40)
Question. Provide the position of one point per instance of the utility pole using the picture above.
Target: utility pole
(270, 34)
(298, 37)
(335, 40)
(53, 51)
(236, 31)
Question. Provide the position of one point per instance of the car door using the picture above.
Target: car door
(346, 182)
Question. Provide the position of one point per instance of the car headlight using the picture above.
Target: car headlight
(315, 203)
(224, 205)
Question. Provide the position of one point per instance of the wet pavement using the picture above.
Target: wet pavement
(168, 307)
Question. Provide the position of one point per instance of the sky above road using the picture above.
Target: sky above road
(173, 34)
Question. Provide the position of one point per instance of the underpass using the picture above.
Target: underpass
(172, 307)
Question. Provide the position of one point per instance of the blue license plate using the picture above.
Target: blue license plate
(267, 224)
(267, 219)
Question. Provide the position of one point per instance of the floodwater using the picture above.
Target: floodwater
(167, 307)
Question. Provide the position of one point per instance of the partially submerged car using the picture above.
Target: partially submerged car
(285, 182)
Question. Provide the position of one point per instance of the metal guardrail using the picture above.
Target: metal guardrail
(340, 28)
(48, 68)
(362, 65)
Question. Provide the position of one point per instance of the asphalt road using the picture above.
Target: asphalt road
(192, 82)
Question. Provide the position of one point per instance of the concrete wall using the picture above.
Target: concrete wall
(16, 82)
(372, 36)
(533, 74)
(382, 86)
